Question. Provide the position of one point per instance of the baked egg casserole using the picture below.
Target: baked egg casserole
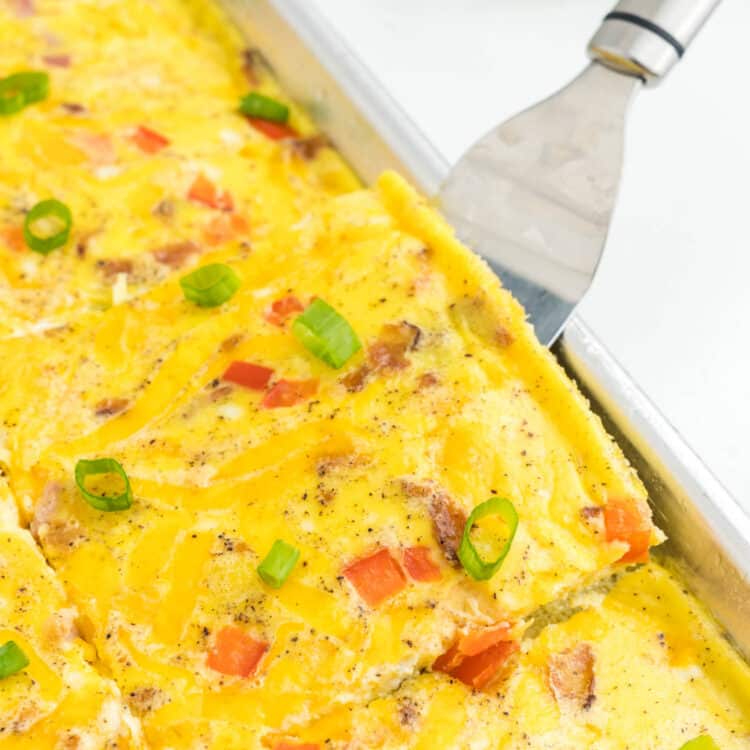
(283, 465)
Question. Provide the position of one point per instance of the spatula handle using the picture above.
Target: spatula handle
(647, 37)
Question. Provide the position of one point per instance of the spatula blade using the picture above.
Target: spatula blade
(535, 196)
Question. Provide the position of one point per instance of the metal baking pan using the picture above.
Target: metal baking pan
(709, 535)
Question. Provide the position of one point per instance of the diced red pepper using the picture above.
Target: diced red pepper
(12, 236)
(289, 393)
(420, 565)
(204, 191)
(57, 61)
(376, 578)
(477, 657)
(479, 670)
(223, 228)
(474, 643)
(276, 131)
(248, 375)
(235, 652)
(296, 746)
(282, 309)
(98, 147)
(148, 140)
(627, 520)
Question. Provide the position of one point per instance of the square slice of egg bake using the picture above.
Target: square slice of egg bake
(284, 454)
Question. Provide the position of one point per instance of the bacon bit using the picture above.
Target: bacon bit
(46, 527)
(224, 228)
(503, 336)
(289, 393)
(427, 380)
(408, 711)
(282, 309)
(252, 60)
(337, 461)
(13, 238)
(235, 652)
(23, 8)
(356, 380)
(420, 565)
(376, 578)
(308, 148)
(276, 131)
(97, 146)
(204, 191)
(248, 375)
(112, 266)
(57, 61)
(146, 699)
(629, 521)
(448, 520)
(175, 254)
(571, 676)
(149, 141)
(230, 342)
(60, 627)
(164, 209)
(110, 406)
(387, 353)
(296, 746)
(219, 393)
(73, 108)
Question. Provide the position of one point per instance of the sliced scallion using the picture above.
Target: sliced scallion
(326, 334)
(264, 108)
(47, 226)
(21, 89)
(278, 564)
(12, 659)
(477, 568)
(211, 285)
(86, 468)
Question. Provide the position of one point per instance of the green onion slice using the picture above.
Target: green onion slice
(477, 568)
(211, 285)
(264, 108)
(86, 468)
(326, 334)
(704, 742)
(21, 89)
(47, 226)
(12, 659)
(278, 564)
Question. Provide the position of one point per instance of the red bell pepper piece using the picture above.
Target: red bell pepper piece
(376, 578)
(248, 375)
(420, 565)
(235, 652)
(289, 393)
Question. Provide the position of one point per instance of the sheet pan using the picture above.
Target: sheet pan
(709, 534)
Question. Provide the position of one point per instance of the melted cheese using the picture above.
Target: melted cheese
(662, 675)
(59, 698)
(109, 359)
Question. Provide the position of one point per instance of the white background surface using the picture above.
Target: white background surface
(672, 297)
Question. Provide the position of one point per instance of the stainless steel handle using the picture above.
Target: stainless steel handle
(647, 37)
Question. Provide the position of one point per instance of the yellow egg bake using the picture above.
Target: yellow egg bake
(284, 466)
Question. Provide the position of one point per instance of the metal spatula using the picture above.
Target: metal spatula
(534, 197)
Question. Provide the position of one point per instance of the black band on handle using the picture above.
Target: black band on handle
(644, 23)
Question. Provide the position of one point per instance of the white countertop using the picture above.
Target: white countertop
(672, 297)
